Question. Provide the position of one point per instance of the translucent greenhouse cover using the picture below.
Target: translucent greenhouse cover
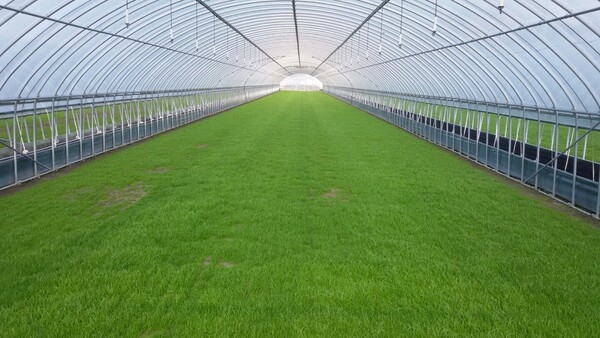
(540, 53)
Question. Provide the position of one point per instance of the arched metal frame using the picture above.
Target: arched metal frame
(542, 53)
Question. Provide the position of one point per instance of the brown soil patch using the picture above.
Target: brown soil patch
(227, 265)
(150, 333)
(202, 146)
(124, 197)
(159, 170)
(206, 262)
(332, 193)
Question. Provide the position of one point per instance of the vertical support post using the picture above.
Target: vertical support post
(478, 124)
(497, 138)
(487, 136)
(436, 118)
(162, 110)
(146, 115)
(15, 162)
(556, 135)
(509, 126)
(54, 135)
(461, 130)
(467, 130)
(92, 129)
(455, 110)
(138, 116)
(597, 196)
(412, 115)
(523, 145)
(122, 116)
(113, 111)
(153, 115)
(104, 104)
(402, 121)
(446, 120)
(575, 159)
(81, 128)
(35, 163)
(67, 130)
(433, 123)
(430, 108)
(539, 145)
(131, 122)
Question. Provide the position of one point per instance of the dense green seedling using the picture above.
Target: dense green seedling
(294, 215)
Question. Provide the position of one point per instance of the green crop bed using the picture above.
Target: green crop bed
(294, 215)
(85, 120)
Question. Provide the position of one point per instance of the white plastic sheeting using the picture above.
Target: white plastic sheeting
(540, 53)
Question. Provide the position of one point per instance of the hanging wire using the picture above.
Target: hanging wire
(196, 17)
(227, 38)
(237, 40)
(401, 19)
(348, 47)
(381, 31)
(368, 33)
(346, 55)
(214, 35)
(593, 158)
(351, 51)
(127, 13)
(358, 48)
(171, 20)
(435, 20)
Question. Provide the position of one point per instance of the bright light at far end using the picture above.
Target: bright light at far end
(301, 82)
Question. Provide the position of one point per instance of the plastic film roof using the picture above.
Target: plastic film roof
(541, 53)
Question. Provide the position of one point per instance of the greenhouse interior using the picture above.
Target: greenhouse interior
(487, 112)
